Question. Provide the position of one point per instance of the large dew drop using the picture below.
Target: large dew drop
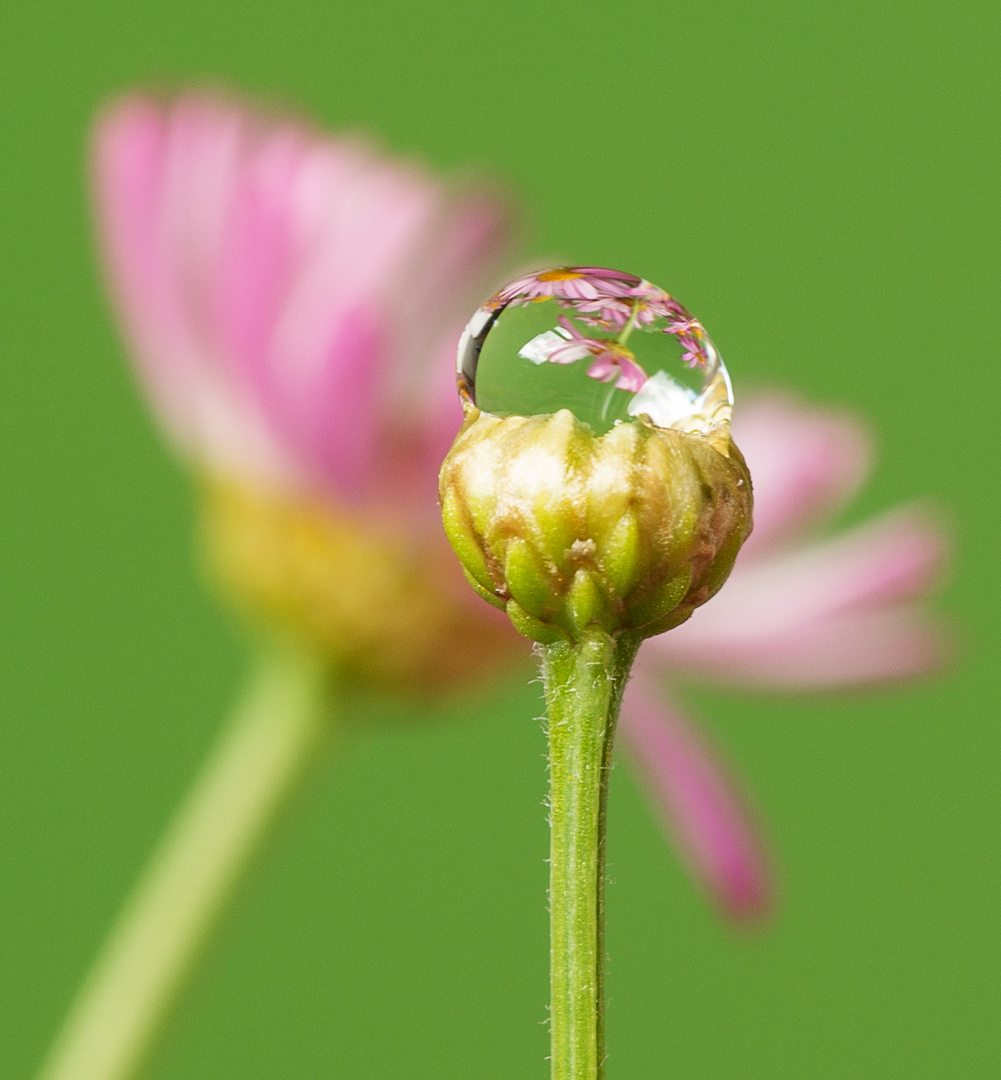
(608, 346)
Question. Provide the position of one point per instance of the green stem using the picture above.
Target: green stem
(584, 685)
(630, 324)
(121, 1008)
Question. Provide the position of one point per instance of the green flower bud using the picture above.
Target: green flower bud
(594, 483)
(630, 530)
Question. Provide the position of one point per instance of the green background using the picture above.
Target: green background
(820, 184)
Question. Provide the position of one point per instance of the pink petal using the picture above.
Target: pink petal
(283, 293)
(376, 290)
(455, 264)
(847, 651)
(887, 560)
(805, 463)
(257, 253)
(701, 807)
(449, 273)
(579, 289)
(130, 145)
(632, 376)
(572, 352)
(571, 329)
(605, 368)
(162, 185)
(327, 359)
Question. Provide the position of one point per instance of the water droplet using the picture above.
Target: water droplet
(608, 346)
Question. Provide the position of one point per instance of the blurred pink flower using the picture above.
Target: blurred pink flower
(291, 300)
(642, 305)
(797, 614)
(293, 303)
(568, 283)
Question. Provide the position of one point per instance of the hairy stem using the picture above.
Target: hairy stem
(126, 998)
(584, 684)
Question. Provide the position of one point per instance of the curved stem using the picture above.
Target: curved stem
(121, 1008)
(584, 685)
(630, 324)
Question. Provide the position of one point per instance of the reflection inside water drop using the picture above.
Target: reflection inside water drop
(606, 345)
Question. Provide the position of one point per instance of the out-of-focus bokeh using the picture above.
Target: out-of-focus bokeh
(820, 185)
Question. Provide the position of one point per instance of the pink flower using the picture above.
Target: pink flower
(797, 613)
(646, 306)
(691, 341)
(643, 304)
(566, 282)
(289, 299)
(612, 362)
(293, 304)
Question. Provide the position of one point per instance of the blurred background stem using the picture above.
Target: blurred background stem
(264, 752)
(584, 685)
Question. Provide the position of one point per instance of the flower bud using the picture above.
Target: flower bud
(563, 529)
(626, 508)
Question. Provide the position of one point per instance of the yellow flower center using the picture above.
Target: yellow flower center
(381, 607)
(562, 274)
(621, 350)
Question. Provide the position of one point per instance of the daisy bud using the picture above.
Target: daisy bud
(624, 508)
(562, 528)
